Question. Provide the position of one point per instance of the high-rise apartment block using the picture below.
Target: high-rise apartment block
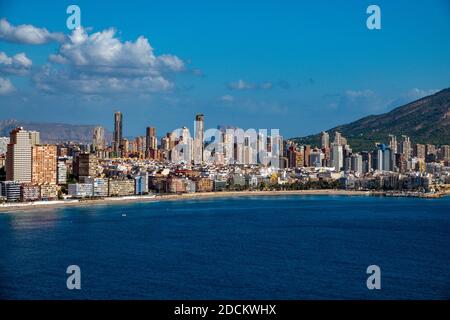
(198, 138)
(325, 140)
(98, 139)
(117, 136)
(85, 165)
(44, 164)
(18, 155)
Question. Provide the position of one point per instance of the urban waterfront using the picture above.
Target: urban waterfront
(284, 247)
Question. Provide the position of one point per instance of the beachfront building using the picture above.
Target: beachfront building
(141, 183)
(49, 191)
(204, 185)
(100, 187)
(220, 185)
(190, 186)
(176, 185)
(30, 192)
(121, 187)
(80, 190)
(18, 156)
(10, 190)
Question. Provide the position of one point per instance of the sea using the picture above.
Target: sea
(255, 247)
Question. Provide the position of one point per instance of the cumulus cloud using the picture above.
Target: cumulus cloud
(101, 62)
(27, 34)
(18, 64)
(6, 87)
(102, 52)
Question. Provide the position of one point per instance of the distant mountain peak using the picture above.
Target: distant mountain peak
(52, 132)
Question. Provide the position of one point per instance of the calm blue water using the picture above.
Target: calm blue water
(286, 247)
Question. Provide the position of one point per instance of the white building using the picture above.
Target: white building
(62, 172)
(337, 158)
(18, 155)
(81, 190)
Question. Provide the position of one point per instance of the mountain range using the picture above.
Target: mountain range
(53, 132)
(426, 120)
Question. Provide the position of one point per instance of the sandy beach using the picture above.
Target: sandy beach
(20, 207)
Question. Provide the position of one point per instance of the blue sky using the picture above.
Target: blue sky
(300, 66)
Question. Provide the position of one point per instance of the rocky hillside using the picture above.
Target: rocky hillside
(426, 120)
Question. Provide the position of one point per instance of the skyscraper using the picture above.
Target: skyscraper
(325, 139)
(18, 155)
(124, 147)
(34, 137)
(198, 138)
(141, 146)
(295, 157)
(338, 138)
(356, 161)
(405, 147)
(86, 165)
(367, 161)
(393, 143)
(151, 142)
(44, 164)
(307, 152)
(445, 153)
(117, 138)
(62, 171)
(316, 157)
(98, 139)
(420, 151)
(337, 156)
(384, 158)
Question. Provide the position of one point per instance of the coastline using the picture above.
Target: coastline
(37, 206)
(34, 206)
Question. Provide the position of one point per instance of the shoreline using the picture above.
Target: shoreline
(38, 206)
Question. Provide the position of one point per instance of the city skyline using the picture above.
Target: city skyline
(234, 156)
(269, 68)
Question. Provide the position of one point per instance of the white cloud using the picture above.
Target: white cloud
(18, 64)
(6, 87)
(102, 63)
(27, 34)
(103, 53)
(244, 85)
(352, 94)
(357, 102)
(240, 85)
(227, 98)
(417, 93)
(55, 80)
